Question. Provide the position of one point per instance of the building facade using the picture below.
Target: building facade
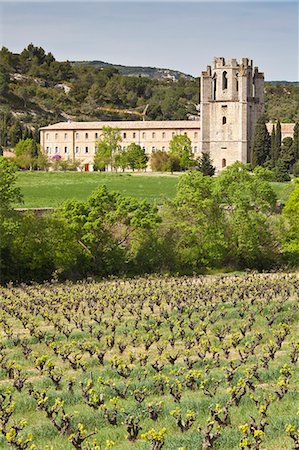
(232, 99)
(78, 140)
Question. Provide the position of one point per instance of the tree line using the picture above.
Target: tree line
(276, 158)
(230, 221)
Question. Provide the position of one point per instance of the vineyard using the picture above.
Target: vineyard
(175, 363)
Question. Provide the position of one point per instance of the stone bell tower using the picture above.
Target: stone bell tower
(232, 99)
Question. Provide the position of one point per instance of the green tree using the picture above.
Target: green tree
(192, 226)
(108, 146)
(260, 149)
(248, 202)
(277, 141)
(290, 236)
(296, 141)
(273, 148)
(9, 221)
(287, 152)
(136, 157)
(180, 148)
(205, 165)
(160, 161)
(120, 160)
(26, 152)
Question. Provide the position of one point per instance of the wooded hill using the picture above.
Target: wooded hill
(36, 90)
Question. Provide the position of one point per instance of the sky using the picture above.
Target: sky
(177, 35)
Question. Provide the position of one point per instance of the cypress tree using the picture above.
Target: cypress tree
(205, 165)
(260, 148)
(273, 136)
(296, 141)
(277, 141)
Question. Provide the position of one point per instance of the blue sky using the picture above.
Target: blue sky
(173, 34)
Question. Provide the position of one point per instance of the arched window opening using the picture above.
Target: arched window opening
(223, 120)
(214, 87)
(224, 80)
(237, 84)
(223, 163)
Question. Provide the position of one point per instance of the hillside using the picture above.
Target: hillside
(138, 71)
(36, 90)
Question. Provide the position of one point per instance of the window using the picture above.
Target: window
(153, 148)
(163, 135)
(153, 135)
(86, 135)
(65, 135)
(65, 149)
(124, 148)
(47, 136)
(48, 150)
(134, 135)
(56, 135)
(195, 135)
(77, 135)
(185, 133)
(56, 149)
(223, 120)
(214, 87)
(124, 135)
(224, 80)
(237, 84)
(143, 135)
(144, 148)
(223, 163)
(77, 149)
(96, 135)
(86, 149)
(163, 148)
(173, 134)
(195, 149)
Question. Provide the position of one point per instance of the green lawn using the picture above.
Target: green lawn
(49, 189)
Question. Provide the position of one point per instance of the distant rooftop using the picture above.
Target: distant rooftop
(135, 124)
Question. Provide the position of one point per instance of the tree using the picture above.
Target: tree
(260, 149)
(205, 165)
(109, 145)
(287, 152)
(277, 141)
(291, 234)
(192, 226)
(136, 157)
(296, 141)
(9, 221)
(26, 152)
(248, 202)
(272, 151)
(160, 161)
(9, 192)
(180, 147)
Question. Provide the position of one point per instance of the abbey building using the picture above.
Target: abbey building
(232, 99)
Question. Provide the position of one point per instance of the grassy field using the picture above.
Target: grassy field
(49, 189)
(199, 360)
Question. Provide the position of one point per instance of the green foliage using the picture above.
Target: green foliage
(9, 192)
(260, 148)
(108, 146)
(26, 152)
(180, 148)
(160, 161)
(291, 235)
(205, 165)
(136, 157)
